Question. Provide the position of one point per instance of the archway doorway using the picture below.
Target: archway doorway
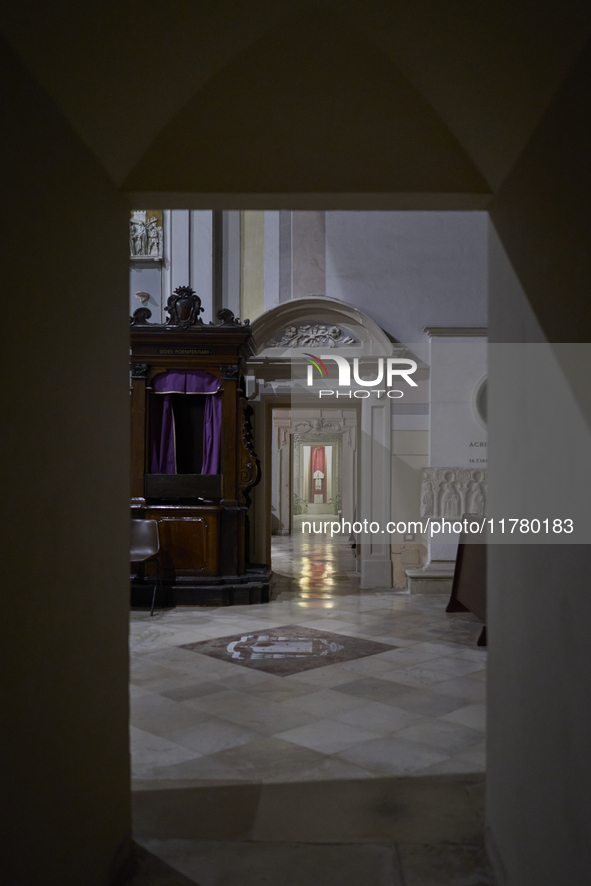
(341, 677)
(362, 428)
(313, 489)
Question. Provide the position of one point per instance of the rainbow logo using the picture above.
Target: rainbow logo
(317, 362)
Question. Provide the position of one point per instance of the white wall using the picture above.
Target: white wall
(146, 277)
(408, 270)
(458, 366)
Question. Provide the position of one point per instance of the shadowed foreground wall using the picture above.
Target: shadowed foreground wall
(65, 541)
(539, 777)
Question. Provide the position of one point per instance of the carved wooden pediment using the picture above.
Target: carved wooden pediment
(183, 308)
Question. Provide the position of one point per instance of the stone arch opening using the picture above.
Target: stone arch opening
(283, 335)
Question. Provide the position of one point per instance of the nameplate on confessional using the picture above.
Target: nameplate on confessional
(185, 352)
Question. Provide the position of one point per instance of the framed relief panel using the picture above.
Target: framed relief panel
(146, 235)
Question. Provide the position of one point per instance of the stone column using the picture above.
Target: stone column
(374, 481)
(281, 473)
(309, 254)
(252, 295)
(349, 469)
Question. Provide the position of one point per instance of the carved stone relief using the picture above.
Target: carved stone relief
(283, 436)
(451, 492)
(146, 234)
(308, 336)
(318, 426)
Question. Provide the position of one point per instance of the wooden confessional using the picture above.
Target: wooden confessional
(192, 461)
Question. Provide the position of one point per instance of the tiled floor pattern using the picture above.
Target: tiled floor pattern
(416, 708)
(204, 724)
(287, 649)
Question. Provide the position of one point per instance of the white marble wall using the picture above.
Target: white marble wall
(458, 366)
(457, 437)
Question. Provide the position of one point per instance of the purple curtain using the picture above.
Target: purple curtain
(162, 431)
(212, 426)
(162, 442)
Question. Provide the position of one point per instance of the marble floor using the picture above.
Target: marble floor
(410, 708)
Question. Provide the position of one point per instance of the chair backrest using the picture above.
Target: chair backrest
(144, 540)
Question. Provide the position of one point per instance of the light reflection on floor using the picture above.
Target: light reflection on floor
(313, 572)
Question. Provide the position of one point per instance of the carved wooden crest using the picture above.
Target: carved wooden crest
(183, 308)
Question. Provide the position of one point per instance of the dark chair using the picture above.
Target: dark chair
(145, 546)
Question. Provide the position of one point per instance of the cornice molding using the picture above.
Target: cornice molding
(456, 331)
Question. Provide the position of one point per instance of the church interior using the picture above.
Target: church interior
(396, 194)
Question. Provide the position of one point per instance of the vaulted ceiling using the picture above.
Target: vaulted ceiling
(429, 104)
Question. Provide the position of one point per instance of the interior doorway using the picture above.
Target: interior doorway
(313, 466)
(341, 676)
(317, 477)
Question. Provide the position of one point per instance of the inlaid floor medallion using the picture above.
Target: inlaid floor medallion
(289, 649)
